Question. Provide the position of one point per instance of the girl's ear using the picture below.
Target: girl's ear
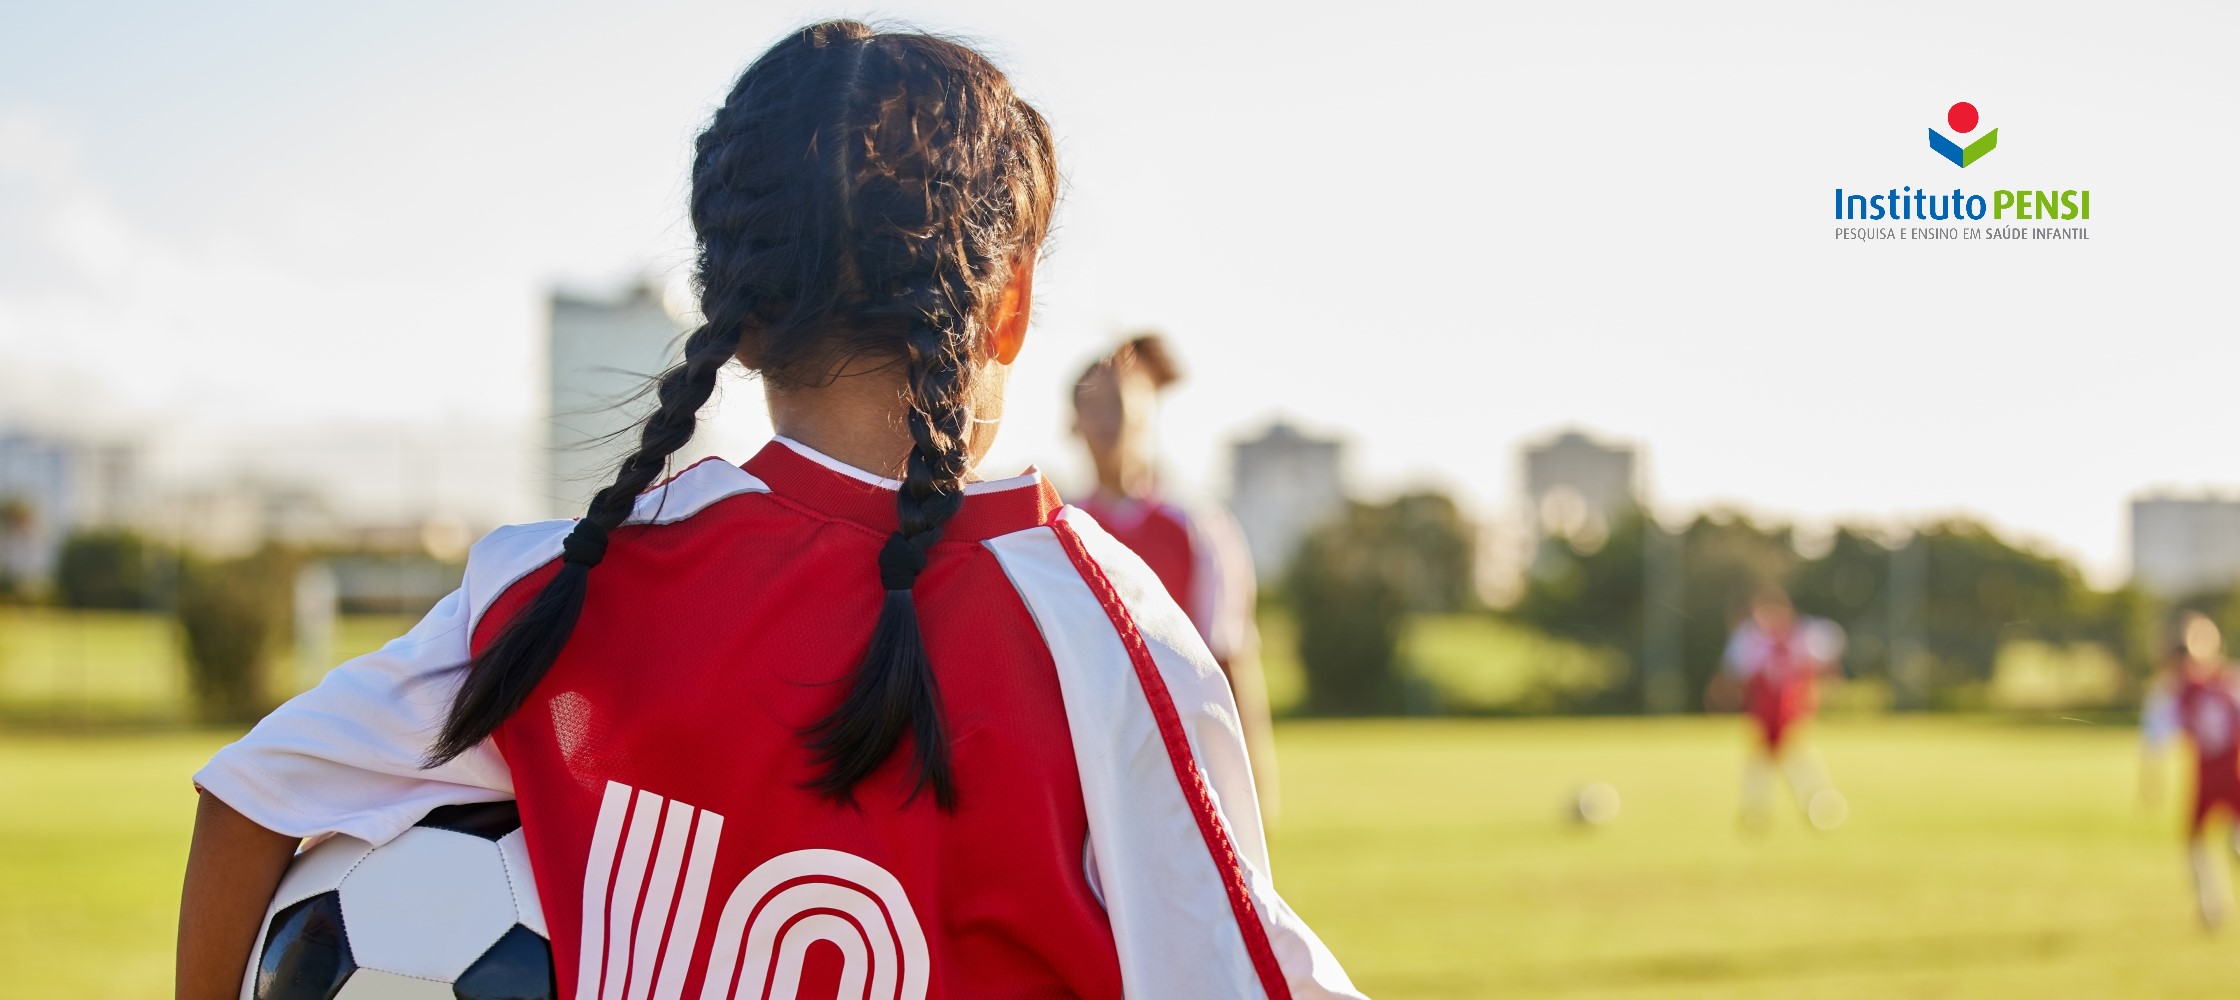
(1008, 333)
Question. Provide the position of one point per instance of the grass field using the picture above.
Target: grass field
(61, 667)
(102, 668)
(1983, 859)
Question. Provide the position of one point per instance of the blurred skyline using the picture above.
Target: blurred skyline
(323, 238)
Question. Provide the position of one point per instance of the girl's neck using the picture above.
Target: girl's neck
(857, 420)
(1124, 478)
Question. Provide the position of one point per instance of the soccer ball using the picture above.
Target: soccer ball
(1594, 804)
(446, 911)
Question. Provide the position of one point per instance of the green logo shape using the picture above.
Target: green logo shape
(1959, 156)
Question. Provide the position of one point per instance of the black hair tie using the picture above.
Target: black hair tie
(585, 545)
(900, 562)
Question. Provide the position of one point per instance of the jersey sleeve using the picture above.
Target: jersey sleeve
(1823, 642)
(1740, 659)
(348, 755)
(1175, 838)
(1225, 591)
(2159, 724)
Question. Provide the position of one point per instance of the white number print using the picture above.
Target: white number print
(827, 896)
(643, 903)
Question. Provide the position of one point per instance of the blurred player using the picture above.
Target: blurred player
(2199, 696)
(1773, 666)
(1198, 553)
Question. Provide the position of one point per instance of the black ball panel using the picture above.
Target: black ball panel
(518, 967)
(306, 954)
(488, 820)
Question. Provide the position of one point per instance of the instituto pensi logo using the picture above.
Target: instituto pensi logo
(1949, 209)
(1963, 119)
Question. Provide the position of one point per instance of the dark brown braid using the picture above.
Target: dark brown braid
(490, 693)
(859, 195)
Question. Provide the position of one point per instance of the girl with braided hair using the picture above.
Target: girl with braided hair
(848, 715)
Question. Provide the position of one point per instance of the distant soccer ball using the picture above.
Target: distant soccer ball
(1595, 803)
(446, 911)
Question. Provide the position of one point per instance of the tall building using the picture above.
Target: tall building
(1286, 483)
(53, 486)
(2184, 545)
(601, 351)
(1574, 484)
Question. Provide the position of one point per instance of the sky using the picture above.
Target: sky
(317, 240)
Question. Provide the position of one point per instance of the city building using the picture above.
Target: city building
(233, 517)
(1576, 486)
(601, 351)
(1286, 483)
(51, 487)
(2182, 545)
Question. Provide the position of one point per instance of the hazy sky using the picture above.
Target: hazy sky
(321, 237)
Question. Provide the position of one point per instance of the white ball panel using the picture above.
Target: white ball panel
(515, 849)
(427, 904)
(317, 870)
(373, 984)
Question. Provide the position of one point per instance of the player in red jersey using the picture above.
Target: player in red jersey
(847, 716)
(1197, 552)
(2199, 696)
(1773, 665)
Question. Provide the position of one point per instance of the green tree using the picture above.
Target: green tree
(1594, 592)
(230, 613)
(1964, 592)
(107, 568)
(1981, 590)
(1355, 581)
(1952, 592)
(1433, 547)
(17, 518)
(1728, 558)
(1850, 585)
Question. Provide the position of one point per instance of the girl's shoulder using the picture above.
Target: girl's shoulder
(513, 552)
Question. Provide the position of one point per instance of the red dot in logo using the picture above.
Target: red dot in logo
(1962, 117)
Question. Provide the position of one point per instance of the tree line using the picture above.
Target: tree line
(1928, 606)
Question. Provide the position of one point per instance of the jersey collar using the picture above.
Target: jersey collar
(811, 479)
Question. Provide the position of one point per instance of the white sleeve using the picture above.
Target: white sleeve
(2158, 718)
(1174, 920)
(1741, 657)
(1824, 642)
(347, 756)
(1225, 590)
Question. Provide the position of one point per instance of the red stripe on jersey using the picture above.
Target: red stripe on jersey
(1186, 771)
(1160, 534)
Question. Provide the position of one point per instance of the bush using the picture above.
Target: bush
(16, 520)
(230, 612)
(1351, 607)
(104, 569)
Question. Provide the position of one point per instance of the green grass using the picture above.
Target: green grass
(93, 838)
(105, 666)
(1983, 859)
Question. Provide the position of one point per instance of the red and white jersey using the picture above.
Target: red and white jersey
(1811, 646)
(1106, 838)
(1201, 557)
(2206, 710)
(1779, 671)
